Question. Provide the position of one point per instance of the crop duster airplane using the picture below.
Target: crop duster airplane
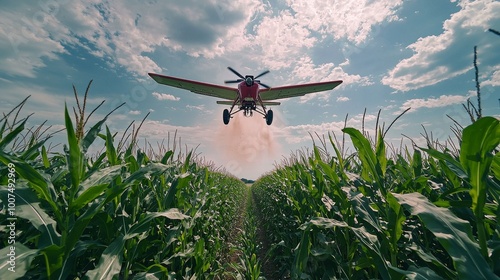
(249, 96)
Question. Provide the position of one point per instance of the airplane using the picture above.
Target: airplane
(248, 97)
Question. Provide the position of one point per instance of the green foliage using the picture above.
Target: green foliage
(113, 215)
(123, 214)
(430, 214)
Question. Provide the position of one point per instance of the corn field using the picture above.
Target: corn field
(115, 215)
(429, 214)
(426, 213)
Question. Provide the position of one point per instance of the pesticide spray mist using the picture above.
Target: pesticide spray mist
(247, 146)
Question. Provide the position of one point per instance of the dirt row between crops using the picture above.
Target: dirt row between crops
(269, 269)
(234, 255)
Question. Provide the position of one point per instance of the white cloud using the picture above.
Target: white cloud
(494, 78)
(442, 101)
(134, 112)
(199, 107)
(126, 33)
(25, 39)
(165, 96)
(121, 33)
(300, 133)
(306, 71)
(439, 57)
(353, 20)
(280, 38)
(342, 99)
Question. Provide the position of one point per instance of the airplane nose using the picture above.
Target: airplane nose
(249, 81)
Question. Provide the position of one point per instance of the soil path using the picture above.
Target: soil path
(269, 270)
(237, 227)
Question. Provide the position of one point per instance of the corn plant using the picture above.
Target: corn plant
(424, 214)
(119, 214)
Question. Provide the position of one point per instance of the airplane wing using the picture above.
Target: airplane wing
(296, 90)
(266, 103)
(197, 87)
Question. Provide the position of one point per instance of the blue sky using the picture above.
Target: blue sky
(391, 55)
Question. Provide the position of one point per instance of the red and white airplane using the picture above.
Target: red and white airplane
(248, 97)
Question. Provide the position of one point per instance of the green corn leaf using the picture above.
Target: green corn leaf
(92, 135)
(370, 241)
(75, 160)
(302, 253)
(416, 163)
(185, 167)
(454, 234)
(25, 171)
(2, 128)
(430, 258)
(97, 164)
(12, 135)
(478, 141)
(380, 154)
(328, 170)
(144, 223)
(94, 186)
(367, 157)
(37, 182)
(396, 219)
(317, 155)
(69, 263)
(495, 166)
(110, 148)
(337, 153)
(21, 264)
(179, 183)
(452, 163)
(369, 217)
(28, 207)
(53, 256)
(45, 158)
(167, 156)
(132, 163)
(110, 262)
(420, 273)
(80, 224)
(33, 151)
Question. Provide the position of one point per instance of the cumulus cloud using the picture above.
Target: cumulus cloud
(441, 101)
(134, 112)
(492, 76)
(126, 34)
(352, 20)
(306, 71)
(342, 99)
(25, 39)
(121, 33)
(440, 57)
(194, 107)
(165, 96)
(294, 134)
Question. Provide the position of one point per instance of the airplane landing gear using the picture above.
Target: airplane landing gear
(226, 116)
(269, 117)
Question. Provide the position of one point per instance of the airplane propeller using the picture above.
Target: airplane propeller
(242, 78)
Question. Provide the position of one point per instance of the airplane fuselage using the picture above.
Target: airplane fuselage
(248, 95)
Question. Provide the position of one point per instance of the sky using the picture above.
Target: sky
(390, 54)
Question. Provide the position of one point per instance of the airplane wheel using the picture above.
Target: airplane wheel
(269, 117)
(226, 116)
